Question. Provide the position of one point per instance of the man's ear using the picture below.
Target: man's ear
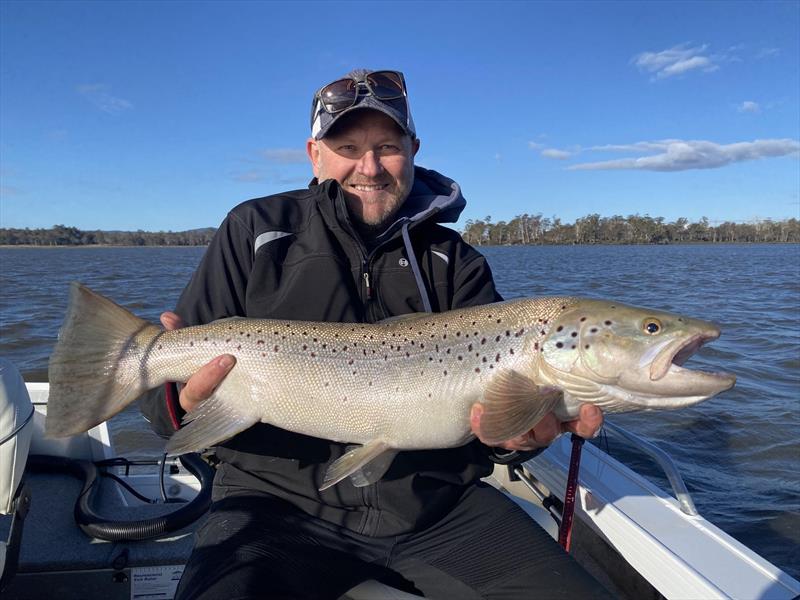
(415, 146)
(312, 150)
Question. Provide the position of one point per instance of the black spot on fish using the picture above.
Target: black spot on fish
(508, 333)
(477, 369)
(205, 339)
(324, 346)
(573, 346)
(608, 322)
(460, 357)
(559, 345)
(327, 384)
(574, 334)
(430, 359)
(262, 341)
(160, 347)
(583, 319)
(586, 346)
(559, 328)
(499, 320)
(448, 351)
(305, 347)
(497, 339)
(458, 334)
(248, 335)
(483, 341)
(497, 358)
(483, 359)
(469, 348)
(313, 355)
(239, 347)
(228, 340)
(275, 349)
(445, 372)
(593, 330)
(511, 350)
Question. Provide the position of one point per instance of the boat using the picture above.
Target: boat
(638, 540)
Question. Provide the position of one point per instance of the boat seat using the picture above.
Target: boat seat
(16, 414)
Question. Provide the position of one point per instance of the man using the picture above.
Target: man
(361, 244)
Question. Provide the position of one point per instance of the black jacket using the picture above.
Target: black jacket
(297, 256)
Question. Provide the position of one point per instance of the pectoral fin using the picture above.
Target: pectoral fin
(512, 405)
(365, 464)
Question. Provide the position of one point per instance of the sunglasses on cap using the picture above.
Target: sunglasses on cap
(341, 94)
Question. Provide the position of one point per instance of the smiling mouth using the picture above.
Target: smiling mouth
(369, 187)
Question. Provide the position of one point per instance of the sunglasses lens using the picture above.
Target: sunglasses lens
(385, 84)
(338, 95)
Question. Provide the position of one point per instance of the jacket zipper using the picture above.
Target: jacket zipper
(365, 275)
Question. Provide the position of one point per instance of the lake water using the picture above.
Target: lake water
(739, 452)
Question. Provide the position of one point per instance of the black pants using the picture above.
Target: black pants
(486, 547)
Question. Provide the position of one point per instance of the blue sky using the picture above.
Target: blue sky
(164, 115)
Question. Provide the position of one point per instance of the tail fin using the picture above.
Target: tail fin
(95, 369)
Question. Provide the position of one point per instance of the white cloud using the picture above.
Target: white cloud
(285, 156)
(680, 155)
(749, 106)
(767, 52)
(675, 61)
(99, 95)
(556, 154)
(535, 145)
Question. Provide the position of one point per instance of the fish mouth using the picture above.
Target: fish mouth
(678, 352)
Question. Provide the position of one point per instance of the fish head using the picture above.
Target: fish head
(630, 358)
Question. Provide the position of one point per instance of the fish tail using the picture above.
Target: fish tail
(96, 368)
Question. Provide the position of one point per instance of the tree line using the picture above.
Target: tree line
(61, 235)
(633, 229)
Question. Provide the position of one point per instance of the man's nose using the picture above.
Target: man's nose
(370, 164)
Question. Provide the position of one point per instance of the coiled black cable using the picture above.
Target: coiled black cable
(97, 526)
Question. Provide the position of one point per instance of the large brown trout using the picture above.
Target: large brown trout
(401, 384)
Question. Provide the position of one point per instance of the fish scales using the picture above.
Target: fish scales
(404, 383)
(367, 379)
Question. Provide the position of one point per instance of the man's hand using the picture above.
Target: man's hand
(202, 384)
(588, 423)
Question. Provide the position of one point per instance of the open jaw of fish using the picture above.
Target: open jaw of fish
(651, 374)
(402, 384)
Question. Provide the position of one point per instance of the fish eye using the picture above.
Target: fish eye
(652, 326)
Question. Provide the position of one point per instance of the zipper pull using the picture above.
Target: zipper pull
(366, 282)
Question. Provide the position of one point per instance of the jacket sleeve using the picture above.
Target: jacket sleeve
(473, 283)
(216, 290)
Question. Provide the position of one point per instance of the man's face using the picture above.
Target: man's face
(373, 161)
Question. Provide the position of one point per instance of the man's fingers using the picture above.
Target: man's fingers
(588, 423)
(171, 321)
(203, 383)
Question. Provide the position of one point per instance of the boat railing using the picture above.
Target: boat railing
(664, 461)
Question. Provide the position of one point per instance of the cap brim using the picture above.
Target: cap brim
(398, 115)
